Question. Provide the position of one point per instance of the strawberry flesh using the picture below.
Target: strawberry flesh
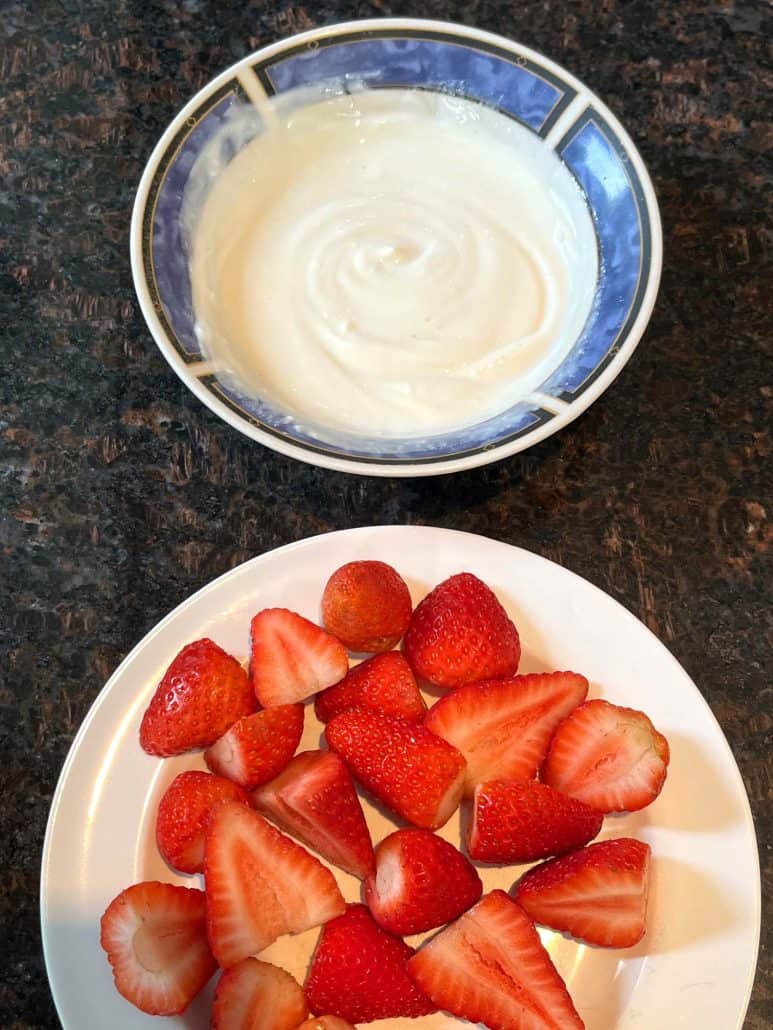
(258, 747)
(254, 995)
(384, 682)
(503, 727)
(598, 894)
(155, 936)
(516, 821)
(358, 972)
(314, 799)
(610, 757)
(413, 772)
(490, 967)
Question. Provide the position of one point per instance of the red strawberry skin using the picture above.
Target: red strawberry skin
(384, 682)
(366, 604)
(156, 941)
(598, 894)
(291, 658)
(358, 972)
(183, 813)
(523, 821)
(416, 774)
(610, 757)
(314, 799)
(256, 749)
(421, 882)
(203, 692)
(255, 995)
(460, 633)
(503, 727)
(489, 967)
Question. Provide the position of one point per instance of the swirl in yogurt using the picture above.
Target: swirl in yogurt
(392, 263)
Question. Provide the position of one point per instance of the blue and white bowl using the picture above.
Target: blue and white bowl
(514, 80)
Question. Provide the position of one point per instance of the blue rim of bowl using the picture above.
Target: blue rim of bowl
(559, 408)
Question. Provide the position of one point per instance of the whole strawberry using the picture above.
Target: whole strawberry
(366, 605)
(461, 633)
(203, 692)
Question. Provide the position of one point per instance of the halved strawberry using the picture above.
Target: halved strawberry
(254, 995)
(314, 799)
(258, 747)
(292, 658)
(610, 757)
(183, 813)
(460, 633)
(260, 885)
(490, 967)
(358, 972)
(384, 682)
(366, 604)
(503, 727)
(203, 692)
(155, 936)
(326, 1023)
(421, 881)
(598, 893)
(515, 821)
(415, 773)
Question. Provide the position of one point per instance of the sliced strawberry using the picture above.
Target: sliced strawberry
(490, 967)
(292, 658)
(421, 881)
(183, 813)
(358, 972)
(258, 747)
(254, 995)
(326, 1023)
(515, 821)
(415, 773)
(460, 633)
(260, 885)
(155, 936)
(203, 692)
(598, 893)
(610, 757)
(366, 604)
(384, 682)
(314, 799)
(503, 727)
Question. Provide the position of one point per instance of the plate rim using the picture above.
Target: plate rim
(484, 456)
(415, 530)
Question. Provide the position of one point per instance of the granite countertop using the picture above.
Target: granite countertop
(121, 494)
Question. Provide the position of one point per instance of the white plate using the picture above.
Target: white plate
(694, 968)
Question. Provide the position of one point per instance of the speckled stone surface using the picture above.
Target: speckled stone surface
(120, 494)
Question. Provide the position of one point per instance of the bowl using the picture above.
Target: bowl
(536, 92)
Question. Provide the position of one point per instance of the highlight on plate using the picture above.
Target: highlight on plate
(269, 837)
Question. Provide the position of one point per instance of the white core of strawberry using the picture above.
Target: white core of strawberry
(158, 949)
(390, 879)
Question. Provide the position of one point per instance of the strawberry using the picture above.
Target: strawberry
(254, 995)
(155, 936)
(421, 881)
(610, 757)
(183, 813)
(257, 747)
(292, 658)
(461, 633)
(260, 885)
(490, 967)
(516, 821)
(358, 972)
(203, 692)
(326, 1023)
(412, 771)
(384, 682)
(314, 799)
(366, 604)
(503, 727)
(598, 893)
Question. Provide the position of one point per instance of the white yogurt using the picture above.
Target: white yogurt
(391, 263)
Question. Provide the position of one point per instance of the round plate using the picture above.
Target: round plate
(694, 968)
(535, 92)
